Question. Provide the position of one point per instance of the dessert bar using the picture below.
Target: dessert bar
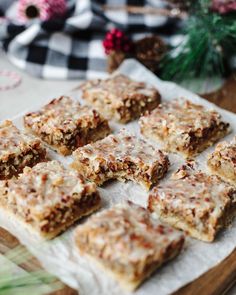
(48, 198)
(195, 202)
(120, 98)
(183, 127)
(17, 150)
(128, 243)
(123, 157)
(66, 125)
(222, 161)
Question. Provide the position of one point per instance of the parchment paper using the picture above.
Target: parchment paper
(60, 257)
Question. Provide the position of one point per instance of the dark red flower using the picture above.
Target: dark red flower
(224, 6)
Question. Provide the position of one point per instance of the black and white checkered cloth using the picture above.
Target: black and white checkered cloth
(71, 47)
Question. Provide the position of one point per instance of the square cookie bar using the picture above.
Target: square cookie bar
(120, 98)
(128, 243)
(183, 127)
(66, 125)
(222, 161)
(195, 202)
(49, 198)
(17, 150)
(123, 157)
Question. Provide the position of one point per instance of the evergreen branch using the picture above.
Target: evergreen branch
(21, 282)
(209, 42)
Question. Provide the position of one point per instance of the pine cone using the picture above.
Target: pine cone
(149, 51)
(114, 59)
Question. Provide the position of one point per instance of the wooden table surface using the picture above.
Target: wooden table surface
(221, 278)
(218, 280)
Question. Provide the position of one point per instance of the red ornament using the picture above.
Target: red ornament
(116, 40)
(224, 6)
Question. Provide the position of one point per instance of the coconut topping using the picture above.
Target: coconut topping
(194, 193)
(181, 116)
(126, 233)
(123, 146)
(64, 114)
(119, 88)
(226, 151)
(47, 185)
(12, 141)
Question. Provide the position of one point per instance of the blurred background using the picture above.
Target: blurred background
(190, 42)
(180, 40)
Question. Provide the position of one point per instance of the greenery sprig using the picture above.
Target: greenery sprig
(20, 282)
(209, 42)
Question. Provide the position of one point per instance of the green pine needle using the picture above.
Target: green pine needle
(20, 282)
(210, 41)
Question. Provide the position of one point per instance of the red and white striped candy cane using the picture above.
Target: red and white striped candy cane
(14, 78)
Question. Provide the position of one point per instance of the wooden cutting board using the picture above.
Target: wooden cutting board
(216, 281)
